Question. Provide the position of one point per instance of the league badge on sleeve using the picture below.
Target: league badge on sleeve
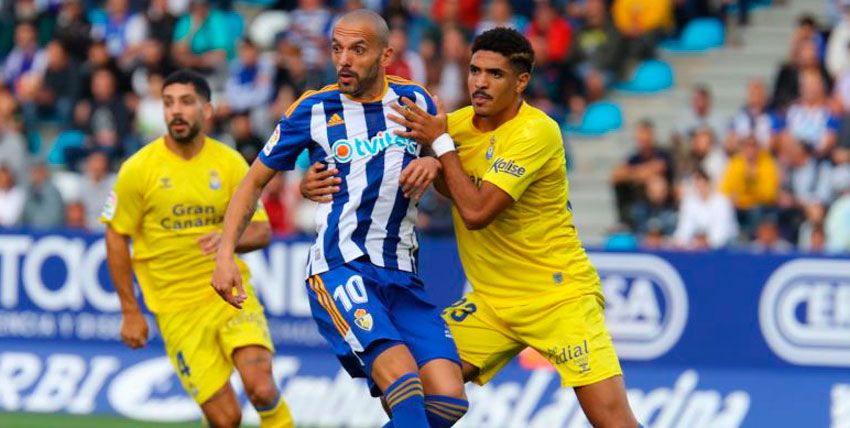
(272, 141)
(363, 319)
(110, 205)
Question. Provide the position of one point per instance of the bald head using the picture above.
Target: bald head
(371, 20)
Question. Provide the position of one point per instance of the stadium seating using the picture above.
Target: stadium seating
(64, 141)
(648, 77)
(599, 118)
(700, 35)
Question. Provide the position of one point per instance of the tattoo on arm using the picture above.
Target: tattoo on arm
(249, 211)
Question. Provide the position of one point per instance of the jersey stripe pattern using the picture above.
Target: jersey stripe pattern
(369, 216)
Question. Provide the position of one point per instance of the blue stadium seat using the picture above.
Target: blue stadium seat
(235, 24)
(753, 5)
(599, 118)
(649, 77)
(700, 35)
(65, 140)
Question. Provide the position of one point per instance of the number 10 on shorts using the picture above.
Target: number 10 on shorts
(354, 291)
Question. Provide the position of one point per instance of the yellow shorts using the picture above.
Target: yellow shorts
(570, 334)
(200, 342)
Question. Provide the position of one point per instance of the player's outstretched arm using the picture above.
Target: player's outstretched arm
(243, 203)
(134, 327)
(478, 207)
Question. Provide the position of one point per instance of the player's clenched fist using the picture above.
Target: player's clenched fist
(225, 278)
(134, 329)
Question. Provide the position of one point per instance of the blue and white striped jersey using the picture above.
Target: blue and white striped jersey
(369, 216)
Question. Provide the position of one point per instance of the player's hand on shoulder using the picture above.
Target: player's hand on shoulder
(134, 329)
(226, 277)
(209, 243)
(419, 124)
(319, 183)
(418, 175)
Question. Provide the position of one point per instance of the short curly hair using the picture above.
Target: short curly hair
(510, 43)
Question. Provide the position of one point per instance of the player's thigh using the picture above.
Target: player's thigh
(221, 410)
(351, 315)
(247, 327)
(193, 348)
(484, 342)
(570, 334)
(605, 403)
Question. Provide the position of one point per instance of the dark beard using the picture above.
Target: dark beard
(361, 84)
(194, 130)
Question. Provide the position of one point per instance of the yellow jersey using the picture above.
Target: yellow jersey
(531, 250)
(165, 203)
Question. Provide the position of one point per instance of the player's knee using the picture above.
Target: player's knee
(262, 394)
(230, 418)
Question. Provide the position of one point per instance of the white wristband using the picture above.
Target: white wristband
(443, 144)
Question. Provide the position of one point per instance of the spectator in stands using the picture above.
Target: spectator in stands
(706, 216)
(643, 23)
(245, 140)
(455, 62)
(98, 58)
(150, 112)
(500, 14)
(13, 146)
(122, 30)
(805, 185)
(12, 198)
(656, 207)
(57, 91)
(463, 13)
(554, 29)
(311, 23)
(655, 237)
(202, 40)
(752, 183)
(43, 208)
(837, 223)
(808, 30)
(73, 29)
(290, 68)
(810, 119)
(810, 237)
(753, 119)
(699, 115)
(153, 59)
(703, 154)
(836, 59)
(249, 87)
(97, 182)
(804, 57)
(551, 84)
(630, 177)
(103, 117)
(435, 214)
(598, 50)
(26, 62)
(278, 201)
(160, 18)
(405, 63)
(768, 239)
(75, 216)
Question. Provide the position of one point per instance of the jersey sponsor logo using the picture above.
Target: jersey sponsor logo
(110, 206)
(165, 183)
(502, 165)
(187, 216)
(646, 305)
(272, 141)
(335, 120)
(804, 312)
(348, 150)
(578, 354)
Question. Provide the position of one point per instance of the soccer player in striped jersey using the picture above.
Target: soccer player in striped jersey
(503, 165)
(364, 292)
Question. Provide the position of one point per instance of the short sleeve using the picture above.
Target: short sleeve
(289, 138)
(124, 206)
(516, 167)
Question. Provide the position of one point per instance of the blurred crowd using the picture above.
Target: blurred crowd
(80, 80)
(774, 177)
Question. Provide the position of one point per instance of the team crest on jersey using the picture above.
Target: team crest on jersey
(215, 181)
(363, 319)
(165, 182)
(272, 141)
(492, 148)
